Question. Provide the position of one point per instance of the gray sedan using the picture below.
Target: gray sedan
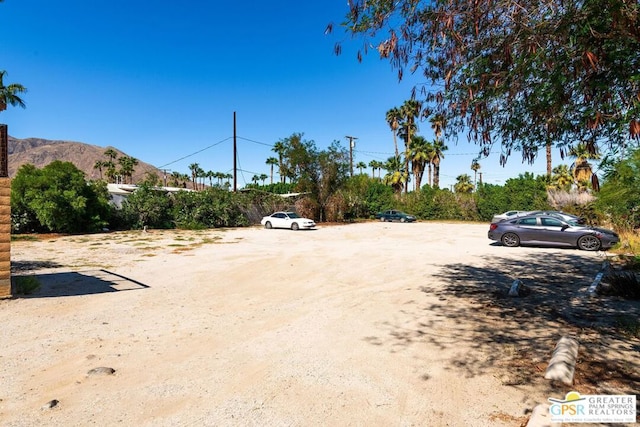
(551, 231)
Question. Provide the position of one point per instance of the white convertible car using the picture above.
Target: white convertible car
(287, 220)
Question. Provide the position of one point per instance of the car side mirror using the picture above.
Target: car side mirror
(564, 227)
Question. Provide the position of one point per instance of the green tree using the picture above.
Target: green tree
(318, 173)
(58, 198)
(523, 73)
(147, 206)
(9, 94)
(619, 196)
(361, 166)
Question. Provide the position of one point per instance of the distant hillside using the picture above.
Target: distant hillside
(40, 152)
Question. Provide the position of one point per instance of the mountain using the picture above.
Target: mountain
(40, 152)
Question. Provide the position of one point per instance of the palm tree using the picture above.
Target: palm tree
(263, 177)
(396, 176)
(176, 177)
(561, 178)
(201, 174)
(394, 117)
(410, 111)
(438, 154)
(110, 164)
(99, 164)
(420, 148)
(193, 167)
(255, 179)
(581, 168)
(9, 94)
(272, 161)
(548, 152)
(463, 184)
(127, 167)
(475, 167)
(280, 148)
(361, 165)
(438, 124)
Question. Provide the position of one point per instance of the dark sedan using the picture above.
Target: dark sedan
(395, 215)
(551, 231)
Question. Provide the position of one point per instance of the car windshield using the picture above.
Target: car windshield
(292, 215)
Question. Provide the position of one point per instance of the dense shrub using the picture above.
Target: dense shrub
(57, 198)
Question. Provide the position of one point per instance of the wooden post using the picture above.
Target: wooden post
(5, 216)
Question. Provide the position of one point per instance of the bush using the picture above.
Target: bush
(622, 283)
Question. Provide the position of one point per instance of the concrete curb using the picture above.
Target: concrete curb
(563, 361)
(540, 417)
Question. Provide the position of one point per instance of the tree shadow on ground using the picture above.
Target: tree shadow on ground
(88, 282)
(520, 333)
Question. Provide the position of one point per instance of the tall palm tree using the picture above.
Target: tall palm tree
(9, 94)
(193, 167)
(394, 117)
(420, 148)
(438, 124)
(463, 184)
(99, 164)
(272, 161)
(548, 152)
(373, 164)
(127, 167)
(110, 164)
(410, 110)
(200, 173)
(279, 148)
(475, 167)
(438, 154)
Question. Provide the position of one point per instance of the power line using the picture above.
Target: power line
(193, 154)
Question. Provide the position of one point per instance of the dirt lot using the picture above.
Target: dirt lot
(362, 324)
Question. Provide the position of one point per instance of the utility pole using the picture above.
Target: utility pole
(164, 172)
(235, 156)
(480, 173)
(352, 144)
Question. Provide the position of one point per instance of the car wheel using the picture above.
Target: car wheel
(403, 219)
(589, 243)
(510, 239)
(268, 225)
(382, 219)
(295, 226)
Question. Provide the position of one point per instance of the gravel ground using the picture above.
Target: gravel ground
(360, 324)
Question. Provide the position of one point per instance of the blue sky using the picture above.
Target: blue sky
(161, 81)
